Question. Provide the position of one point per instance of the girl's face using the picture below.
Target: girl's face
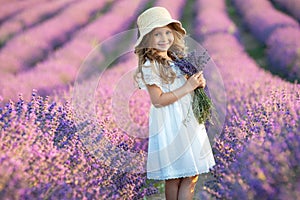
(162, 38)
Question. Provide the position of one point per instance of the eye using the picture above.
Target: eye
(168, 32)
(156, 34)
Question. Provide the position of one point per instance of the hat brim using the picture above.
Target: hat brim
(158, 24)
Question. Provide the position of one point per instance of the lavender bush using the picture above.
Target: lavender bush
(210, 19)
(43, 152)
(283, 53)
(291, 6)
(60, 69)
(11, 8)
(278, 31)
(43, 157)
(31, 17)
(34, 44)
(262, 19)
(261, 129)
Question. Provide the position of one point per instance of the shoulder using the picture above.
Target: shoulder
(150, 65)
(150, 68)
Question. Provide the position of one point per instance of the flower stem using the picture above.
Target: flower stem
(202, 106)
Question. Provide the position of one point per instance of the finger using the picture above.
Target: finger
(200, 77)
(200, 73)
(196, 76)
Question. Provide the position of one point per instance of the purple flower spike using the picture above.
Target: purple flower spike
(192, 63)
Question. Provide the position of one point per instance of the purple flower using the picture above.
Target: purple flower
(193, 62)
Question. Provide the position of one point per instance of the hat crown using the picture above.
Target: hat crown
(152, 15)
(153, 18)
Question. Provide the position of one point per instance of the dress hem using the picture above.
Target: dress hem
(188, 174)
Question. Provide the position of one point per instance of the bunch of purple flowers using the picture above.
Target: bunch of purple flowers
(190, 64)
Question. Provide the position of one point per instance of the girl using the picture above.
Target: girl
(179, 149)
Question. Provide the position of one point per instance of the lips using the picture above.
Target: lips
(163, 45)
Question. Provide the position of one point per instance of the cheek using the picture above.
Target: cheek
(171, 38)
(152, 42)
(154, 39)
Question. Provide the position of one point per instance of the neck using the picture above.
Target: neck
(164, 54)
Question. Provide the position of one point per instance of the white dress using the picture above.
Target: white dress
(178, 144)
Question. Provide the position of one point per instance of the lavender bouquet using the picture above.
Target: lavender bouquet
(189, 65)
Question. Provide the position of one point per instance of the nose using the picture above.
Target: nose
(164, 37)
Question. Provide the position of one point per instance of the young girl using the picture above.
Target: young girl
(179, 149)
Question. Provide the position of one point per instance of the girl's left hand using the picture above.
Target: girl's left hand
(202, 81)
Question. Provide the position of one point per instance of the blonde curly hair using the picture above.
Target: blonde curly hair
(144, 52)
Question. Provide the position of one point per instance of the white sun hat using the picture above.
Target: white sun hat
(155, 17)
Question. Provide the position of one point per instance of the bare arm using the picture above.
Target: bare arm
(160, 99)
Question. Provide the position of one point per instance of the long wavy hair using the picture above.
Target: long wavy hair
(144, 52)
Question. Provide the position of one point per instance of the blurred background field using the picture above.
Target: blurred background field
(66, 95)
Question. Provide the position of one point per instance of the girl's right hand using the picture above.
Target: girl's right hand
(195, 81)
(160, 98)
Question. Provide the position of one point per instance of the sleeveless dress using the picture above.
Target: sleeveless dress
(178, 145)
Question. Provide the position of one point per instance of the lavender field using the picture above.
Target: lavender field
(73, 125)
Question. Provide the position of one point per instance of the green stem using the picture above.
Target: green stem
(202, 106)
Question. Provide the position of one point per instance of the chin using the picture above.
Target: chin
(163, 49)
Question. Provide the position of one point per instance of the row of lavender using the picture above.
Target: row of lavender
(76, 169)
(104, 110)
(60, 67)
(291, 6)
(257, 153)
(42, 157)
(30, 17)
(278, 31)
(10, 8)
(42, 153)
(36, 43)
